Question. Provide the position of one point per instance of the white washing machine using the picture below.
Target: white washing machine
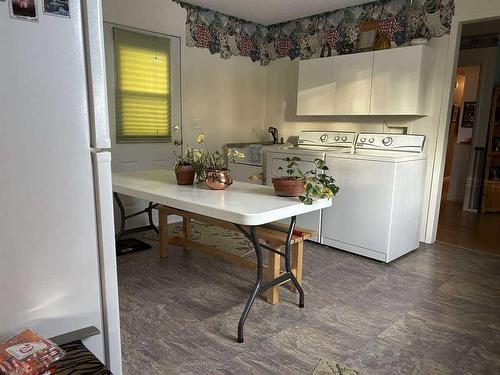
(378, 209)
(311, 145)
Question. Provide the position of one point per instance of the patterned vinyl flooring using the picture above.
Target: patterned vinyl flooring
(433, 311)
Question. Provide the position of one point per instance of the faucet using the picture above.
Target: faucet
(274, 133)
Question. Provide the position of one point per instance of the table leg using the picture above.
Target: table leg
(163, 219)
(149, 210)
(258, 282)
(259, 286)
(288, 265)
(297, 259)
(122, 215)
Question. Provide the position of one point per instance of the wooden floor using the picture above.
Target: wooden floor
(433, 311)
(467, 229)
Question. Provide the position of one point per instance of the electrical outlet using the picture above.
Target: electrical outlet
(196, 123)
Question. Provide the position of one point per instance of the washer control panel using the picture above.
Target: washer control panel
(391, 142)
(326, 138)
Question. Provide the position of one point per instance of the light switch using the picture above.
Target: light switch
(196, 123)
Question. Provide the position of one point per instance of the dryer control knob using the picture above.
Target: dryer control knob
(387, 141)
(371, 140)
(324, 137)
(337, 138)
(363, 140)
(344, 139)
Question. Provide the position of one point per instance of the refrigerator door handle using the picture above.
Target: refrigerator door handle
(96, 73)
(107, 259)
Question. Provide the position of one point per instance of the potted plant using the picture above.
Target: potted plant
(184, 169)
(312, 184)
(293, 183)
(210, 166)
(318, 183)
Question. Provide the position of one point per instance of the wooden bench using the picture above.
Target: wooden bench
(274, 235)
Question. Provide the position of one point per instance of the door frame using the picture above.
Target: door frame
(446, 109)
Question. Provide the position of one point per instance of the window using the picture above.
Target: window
(142, 87)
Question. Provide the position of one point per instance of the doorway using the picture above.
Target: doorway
(461, 220)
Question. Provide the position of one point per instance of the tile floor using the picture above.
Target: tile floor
(434, 311)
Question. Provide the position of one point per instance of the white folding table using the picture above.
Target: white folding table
(242, 204)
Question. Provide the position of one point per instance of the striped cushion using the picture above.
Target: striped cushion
(79, 361)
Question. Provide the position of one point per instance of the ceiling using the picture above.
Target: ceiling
(268, 12)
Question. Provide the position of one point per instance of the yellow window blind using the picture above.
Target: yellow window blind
(142, 84)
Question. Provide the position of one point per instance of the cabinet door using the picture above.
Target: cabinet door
(400, 81)
(314, 95)
(352, 82)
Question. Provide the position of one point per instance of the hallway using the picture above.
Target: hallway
(467, 229)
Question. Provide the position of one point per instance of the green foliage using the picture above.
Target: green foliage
(204, 160)
(318, 184)
(186, 159)
(292, 167)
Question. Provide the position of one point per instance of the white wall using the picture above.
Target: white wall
(469, 94)
(227, 96)
(461, 153)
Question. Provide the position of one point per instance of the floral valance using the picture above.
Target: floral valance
(400, 20)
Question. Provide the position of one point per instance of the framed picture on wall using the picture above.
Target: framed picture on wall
(367, 35)
(495, 147)
(23, 10)
(468, 115)
(494, 174)
(56, 8)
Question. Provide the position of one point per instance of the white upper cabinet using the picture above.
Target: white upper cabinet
(352, 82)
(389, 82)
(401, 81)
(314, 96)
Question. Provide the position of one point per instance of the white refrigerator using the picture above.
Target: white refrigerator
(57, 250)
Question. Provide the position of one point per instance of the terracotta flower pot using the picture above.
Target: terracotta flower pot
(184, 174)
(218, 179)
(288, 187)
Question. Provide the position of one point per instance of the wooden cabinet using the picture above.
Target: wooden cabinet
(400, 81)
(352, 81)
(389, 82)
(491, 187)
(314, 96)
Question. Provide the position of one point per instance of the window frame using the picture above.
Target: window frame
(173, 76)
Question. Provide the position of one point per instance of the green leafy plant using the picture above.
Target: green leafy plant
(318, 183)
(292, 168)
(203, 160)
(184, 160)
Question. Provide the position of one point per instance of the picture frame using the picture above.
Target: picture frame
(455, 113)
(494, 174)
(468, 115)
(368, 31)
(495, 144)
(26, 10)
(58, 8)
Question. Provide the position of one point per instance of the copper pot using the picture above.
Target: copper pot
(288, 187)
(218, 179)
(184, 174)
